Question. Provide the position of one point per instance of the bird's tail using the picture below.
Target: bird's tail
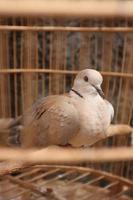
(10, 131)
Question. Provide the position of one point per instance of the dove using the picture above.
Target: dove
(79, 118)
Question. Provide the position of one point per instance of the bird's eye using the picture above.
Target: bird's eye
(85, 78)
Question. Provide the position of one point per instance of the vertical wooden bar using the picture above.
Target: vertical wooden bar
(121, 81)
(107, 61)
(4, 84)
(43, 62)
(84, 61)
(61, 59)
(127, 95)
(65, 62)
(15, 67)
(29, 61)
(84, 56)
(50, 63)
(54, 83)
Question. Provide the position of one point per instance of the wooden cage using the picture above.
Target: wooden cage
(40, 56)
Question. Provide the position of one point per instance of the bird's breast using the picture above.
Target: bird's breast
(94, 120)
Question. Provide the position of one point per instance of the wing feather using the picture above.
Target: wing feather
(50, 121)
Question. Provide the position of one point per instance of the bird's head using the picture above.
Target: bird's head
(88, 81)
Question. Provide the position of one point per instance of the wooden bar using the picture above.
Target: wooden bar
(66, 8)
(4, 81)
(30, 70)
(29, 59)
(69, 155)
(66, 29)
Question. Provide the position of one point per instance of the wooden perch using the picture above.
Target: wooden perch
(62, 155)
(17, 159)
(119, 129)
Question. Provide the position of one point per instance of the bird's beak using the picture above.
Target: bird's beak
(100, 92)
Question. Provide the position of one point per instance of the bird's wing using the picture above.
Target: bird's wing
(50, 121)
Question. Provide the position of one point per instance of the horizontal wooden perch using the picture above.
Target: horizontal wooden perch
(15, 159)
(60, 155)
(69, 155)
(66, 8)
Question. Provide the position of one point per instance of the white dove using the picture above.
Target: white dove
(79, 119)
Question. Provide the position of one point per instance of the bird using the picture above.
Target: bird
(78, 119)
